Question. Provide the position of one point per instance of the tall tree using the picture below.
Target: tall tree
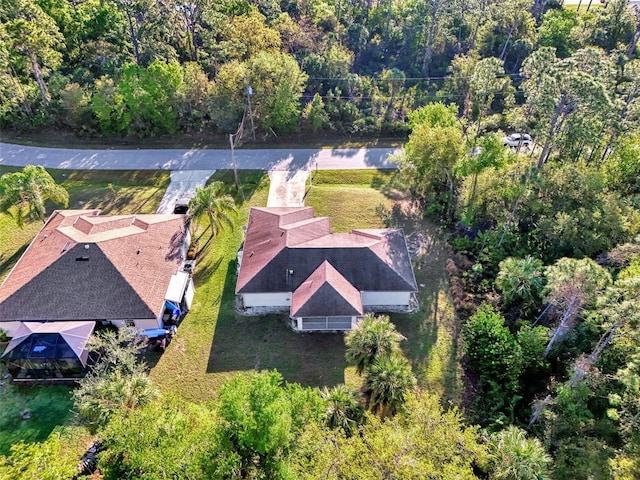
(23, 194)
(343, 408)
(567, 97)
(424, 439)
(521, 280)
(487, 80)
(118, 381)
(571, 286)
(435, 146)
(48, 460)
(35, 42)
(489, 153)
(259, 421)
(165, 439)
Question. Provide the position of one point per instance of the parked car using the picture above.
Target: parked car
(182, 204)
(517, 140)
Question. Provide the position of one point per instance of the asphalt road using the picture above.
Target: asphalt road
(167, 159)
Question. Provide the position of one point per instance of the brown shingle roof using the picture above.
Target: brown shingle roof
(370, 260)
(81, 266)
(328, 292)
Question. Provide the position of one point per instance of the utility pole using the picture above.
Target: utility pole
(233, 160)
(234, 140)
(249, 93)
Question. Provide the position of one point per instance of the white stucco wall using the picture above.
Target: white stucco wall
(278, 299)
(189, 294)
(385, 298)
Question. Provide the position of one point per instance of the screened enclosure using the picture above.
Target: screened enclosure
(48, 350)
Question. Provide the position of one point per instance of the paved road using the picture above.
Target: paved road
(268, 159)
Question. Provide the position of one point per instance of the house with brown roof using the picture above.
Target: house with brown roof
(86, 267)
(290, 262)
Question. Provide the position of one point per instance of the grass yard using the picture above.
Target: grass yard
(214, 342)
(49, 407)
(114, 191)
(584, 6)
(432, 332)
(352, 199)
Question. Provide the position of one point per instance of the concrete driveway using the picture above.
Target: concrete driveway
(183, 184)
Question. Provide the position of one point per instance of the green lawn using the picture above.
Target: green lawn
(214, 342)
(114, 191)
(352, 198)
(49, 407)
(595, 4)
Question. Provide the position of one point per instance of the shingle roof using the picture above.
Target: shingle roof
(327, 291)
(370, 260)
(82, 266)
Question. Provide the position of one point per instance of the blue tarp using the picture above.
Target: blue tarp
(175, 310)
(154, 332)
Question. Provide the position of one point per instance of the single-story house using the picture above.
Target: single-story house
(290, 262)
(106, 269)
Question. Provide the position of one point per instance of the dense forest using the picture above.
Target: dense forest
(545, 269)
(144, 67)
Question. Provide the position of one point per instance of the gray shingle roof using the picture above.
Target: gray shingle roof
(328, 292)
(371, 260)
(82, 284)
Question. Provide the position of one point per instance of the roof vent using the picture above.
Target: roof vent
(82, 259)
(139, 251)
(86, 246)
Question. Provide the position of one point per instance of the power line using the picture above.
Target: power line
(444, 77)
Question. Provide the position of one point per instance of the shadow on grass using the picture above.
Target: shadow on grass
(6, 263)
(249, 182)
(266, 343)
(432, 332)
(48, 406)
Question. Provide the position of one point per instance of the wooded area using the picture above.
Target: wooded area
(545, 273)
(144, 67)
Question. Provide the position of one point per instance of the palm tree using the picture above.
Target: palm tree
(372, 338)
(387, 383)
(343, 408)
(521, 279)
(217, 205)
(101, 395)
(23, 194)
(513, 456)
